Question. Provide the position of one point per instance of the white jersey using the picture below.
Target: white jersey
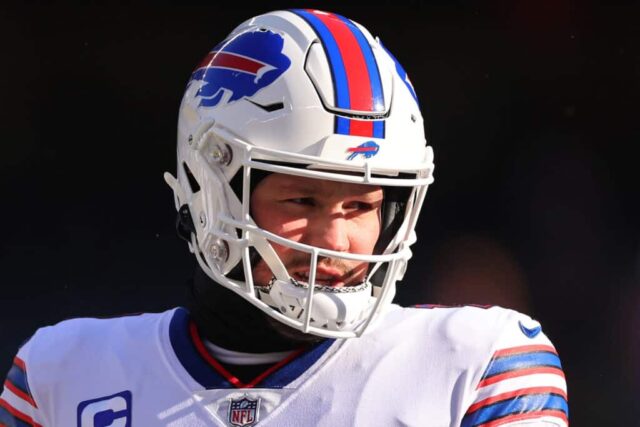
(465, 366)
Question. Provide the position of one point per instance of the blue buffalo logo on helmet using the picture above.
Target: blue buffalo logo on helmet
(367, 149)
(239, 67)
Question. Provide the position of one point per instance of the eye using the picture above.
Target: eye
(361, 206)
(306, 201)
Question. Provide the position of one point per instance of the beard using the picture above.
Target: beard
(348, 273)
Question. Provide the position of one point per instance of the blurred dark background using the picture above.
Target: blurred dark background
(530, 107)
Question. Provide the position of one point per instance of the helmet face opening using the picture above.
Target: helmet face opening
(230, 148)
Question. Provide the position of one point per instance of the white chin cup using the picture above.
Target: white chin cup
(332, 309)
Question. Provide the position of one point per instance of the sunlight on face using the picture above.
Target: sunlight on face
(339, 216)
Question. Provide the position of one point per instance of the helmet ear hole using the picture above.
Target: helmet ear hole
(184, 223)
(392, 215)
(257, 175)
(193, 182)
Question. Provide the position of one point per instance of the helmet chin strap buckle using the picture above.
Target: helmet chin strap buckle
(184, 222)
(329, 309)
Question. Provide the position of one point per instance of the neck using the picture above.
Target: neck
(228, 320)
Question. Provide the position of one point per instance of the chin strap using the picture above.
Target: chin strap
(173, 183)
(227, 320)
(184, 222)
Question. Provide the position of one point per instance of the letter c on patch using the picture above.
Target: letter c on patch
(108, 411)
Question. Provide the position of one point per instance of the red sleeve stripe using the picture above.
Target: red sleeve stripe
(21, 394)
(524, 349)
(16, 381)
(17, 414)
(19, 363)
(527, 416)
(520, 373)
(515, 393)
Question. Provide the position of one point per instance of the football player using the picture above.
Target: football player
(302, 168)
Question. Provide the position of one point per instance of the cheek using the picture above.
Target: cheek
(283, 226)
(364, 235)
(292, 230)
(275, 222)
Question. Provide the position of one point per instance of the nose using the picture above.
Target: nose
(329, 230)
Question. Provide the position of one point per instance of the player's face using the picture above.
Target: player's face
(331, 215)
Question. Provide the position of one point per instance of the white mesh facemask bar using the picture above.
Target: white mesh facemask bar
(386, 288)
(312, 286)
(246, 258)
(265, 249)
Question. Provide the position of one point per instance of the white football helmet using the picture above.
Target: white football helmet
(305, 93)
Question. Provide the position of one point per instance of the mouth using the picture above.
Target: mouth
(323, 278)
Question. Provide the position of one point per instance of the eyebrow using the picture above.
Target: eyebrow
(311, 190)
(304, 188)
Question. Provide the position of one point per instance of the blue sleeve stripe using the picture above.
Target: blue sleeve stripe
(8, 420)
(516, 405)
(515, 362)
(18, 378)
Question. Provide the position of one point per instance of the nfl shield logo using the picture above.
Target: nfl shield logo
(244, 412)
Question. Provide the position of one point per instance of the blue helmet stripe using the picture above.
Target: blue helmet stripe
(338, 72)
(378, 129)
(402, 73)
(343, 125)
